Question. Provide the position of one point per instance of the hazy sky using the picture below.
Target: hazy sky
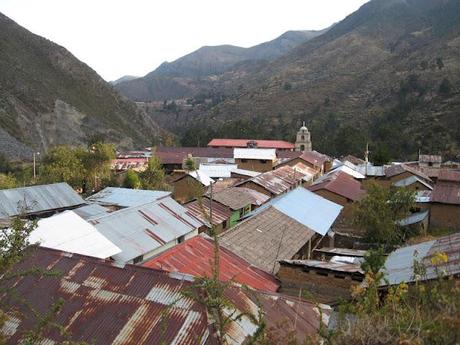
(119, 37)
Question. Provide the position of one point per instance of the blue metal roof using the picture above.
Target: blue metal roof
(37, 199)
(309, 209)
(125, 197)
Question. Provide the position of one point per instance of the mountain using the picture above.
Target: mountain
(122, 79)
(194, 73)
(388, 74)
(49, 97)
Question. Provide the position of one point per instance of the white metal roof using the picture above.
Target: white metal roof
(69, 232)
(411, 180)
(217, 170)
(348, 170)
(201, 177)
(264, 154)
(126, 197)
(245, 172)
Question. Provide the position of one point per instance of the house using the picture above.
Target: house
(69, 232)
(328, 282)
(341, 189)
(38, 201)
(146, 230)
(105, 303)
(397, 172)
(90, 211)
(194, 257)
(260, 160)
(445, 200)
(275, 182)
(252, 143)
(287, 227)
(353, 159)
(348, 168)
(433, 161)
(138, 164)
(216, 171)
(417, 221)
(201, 209)
(190, 185)
(399, 265)
(413, 183)
(115, 198)
(319, 162)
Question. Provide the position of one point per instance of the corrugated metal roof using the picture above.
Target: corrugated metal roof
(90, 211)
(234, 197)
(71, 233)
(268, 144)
(201, 177)
(446, 193)
(220, 213)
(195, 257)
(370, 170)
(414, 218)
(411, 180)
(141, 229)
(315, 158)
(342, 251)
(265, 238)
(348, 170)
(278, 181)
(258, 198)
(217, 170)
(264, 154)
(423, 196)
(449, 175)
(244, 172)
(126, 197)
(123, 164)
(353, 159)
(399, 264)
(326, 265)
(397, 169)
(176, 155)
(37, 199)
(430, 158)
(150, 305)
(341, 184)
(308, 208)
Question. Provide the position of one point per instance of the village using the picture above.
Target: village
(282, 227)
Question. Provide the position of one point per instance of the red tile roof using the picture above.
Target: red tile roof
(263, 144)
(195, 256)
(342, 184)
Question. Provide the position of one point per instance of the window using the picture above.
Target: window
(180, 239)
(263, 161)
(244, 161)
(302, 137)
(138, 259)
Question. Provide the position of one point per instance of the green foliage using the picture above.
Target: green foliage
(190, 164)
(5, 166)
(378, 213)
(132, 180)
(8, 181)
(154, 176)
(374, 260)
(381, 155)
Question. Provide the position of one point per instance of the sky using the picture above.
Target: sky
(119, 37)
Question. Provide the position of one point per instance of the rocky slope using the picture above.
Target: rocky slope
(49, 97)
(197, 71)
(388, 74)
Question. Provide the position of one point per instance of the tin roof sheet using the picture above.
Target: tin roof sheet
(446, 175)
(69, 232)
(220, 213)
(342, 251)
(37, 199)
(326, 265)
(235, 197)
(398, 267)
(348, 170)
(397, 169)
(423, 196)
(217, 170)
(315, 158)
(126, 197)
(244, 172)
(202, 177)
(151, 306)
(430, 158)
(414, 218)
(176, 155)
(264, 154)
(266, 237)
(278, 181)
(411, 180)
(446, 193)
(268, 144)
(341, 184)
(141, 229)
(195, 257)
(90, 211)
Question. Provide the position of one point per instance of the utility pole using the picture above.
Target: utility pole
(35, 163)
(366, 156)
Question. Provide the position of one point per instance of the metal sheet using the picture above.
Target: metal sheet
(264, 154)
(126, 197)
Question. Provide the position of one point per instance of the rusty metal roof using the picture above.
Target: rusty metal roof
(176, 155)
(108, 304)
(397, 169)
(430, 158)
(342, 184)
(267, 237)
(399, 264)
(315, 158)
(446, 175)
(220, 213)
(234, 197)
(38, 199)
(265, 144)
(195, 257)
(342, 251)
(446, 193)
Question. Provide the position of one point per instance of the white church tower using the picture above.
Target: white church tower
(303, 140)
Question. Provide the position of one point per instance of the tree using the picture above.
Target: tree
(190, 164)
(64, 164)
(7, 181)
(97, 161)
(5, 166)
(378, 213)
(132, 180)
(154, 176)
(381, 155)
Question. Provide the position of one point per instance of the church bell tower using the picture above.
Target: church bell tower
(303, 140)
